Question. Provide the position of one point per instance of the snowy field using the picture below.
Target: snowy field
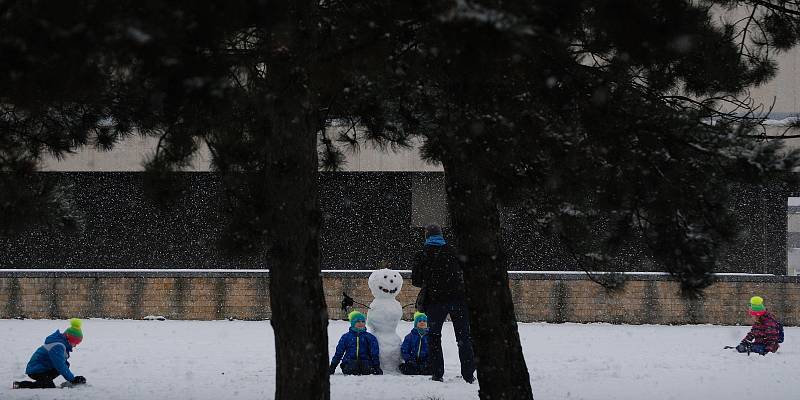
(125, 359)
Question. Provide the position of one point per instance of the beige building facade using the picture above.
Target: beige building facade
(132, 153)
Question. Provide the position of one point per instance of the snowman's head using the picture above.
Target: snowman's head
(385, 283)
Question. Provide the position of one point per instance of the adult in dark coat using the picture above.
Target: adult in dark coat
(437, 271)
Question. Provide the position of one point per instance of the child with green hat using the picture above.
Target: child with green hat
(766, 332)
(415, 348)
(357, 349)
(50, 360)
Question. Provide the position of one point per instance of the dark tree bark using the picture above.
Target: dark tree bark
(502, 371)
(299, 314)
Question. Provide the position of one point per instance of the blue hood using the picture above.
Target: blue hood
(435, 240)
(58, 337)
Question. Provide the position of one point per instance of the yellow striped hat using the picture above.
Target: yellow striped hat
(74, 333)
(757, 307)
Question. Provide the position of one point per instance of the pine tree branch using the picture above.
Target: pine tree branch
(746, 29)
(778, 8)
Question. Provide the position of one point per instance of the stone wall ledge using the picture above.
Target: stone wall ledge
(255, 273)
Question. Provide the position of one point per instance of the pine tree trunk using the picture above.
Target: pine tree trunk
(299, 314)
(502, 372)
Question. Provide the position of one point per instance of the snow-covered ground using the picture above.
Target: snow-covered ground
(124, 359)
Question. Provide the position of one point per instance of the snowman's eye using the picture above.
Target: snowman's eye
(384, 277)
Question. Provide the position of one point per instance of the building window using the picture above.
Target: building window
(428, 200)
(793, 235)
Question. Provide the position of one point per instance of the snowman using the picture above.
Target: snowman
(384, 314)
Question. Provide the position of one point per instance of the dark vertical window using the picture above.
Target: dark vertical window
(428, 199)
(793, 235)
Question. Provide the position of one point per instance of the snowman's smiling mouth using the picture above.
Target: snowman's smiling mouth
(392, 291)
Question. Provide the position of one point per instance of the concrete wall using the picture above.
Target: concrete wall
(130, 155)
(552, 297)
(784, 89)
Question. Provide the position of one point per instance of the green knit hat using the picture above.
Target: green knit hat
(419, 316)
(757, 307)
(354, 317)
(74, 333)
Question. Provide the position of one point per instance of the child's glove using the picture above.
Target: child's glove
(743, 347)
(377, 371)
(332, 369)
(78, 380)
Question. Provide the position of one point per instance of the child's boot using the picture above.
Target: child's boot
(34, 385)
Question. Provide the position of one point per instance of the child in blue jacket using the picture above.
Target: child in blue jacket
(415, 348)
(357, 350)
(50, 360)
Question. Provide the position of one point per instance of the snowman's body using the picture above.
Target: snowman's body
(384, 314)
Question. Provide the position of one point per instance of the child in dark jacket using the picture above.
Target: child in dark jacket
(50, 360)
(764, 336)
(357, 350)
(415, 348)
